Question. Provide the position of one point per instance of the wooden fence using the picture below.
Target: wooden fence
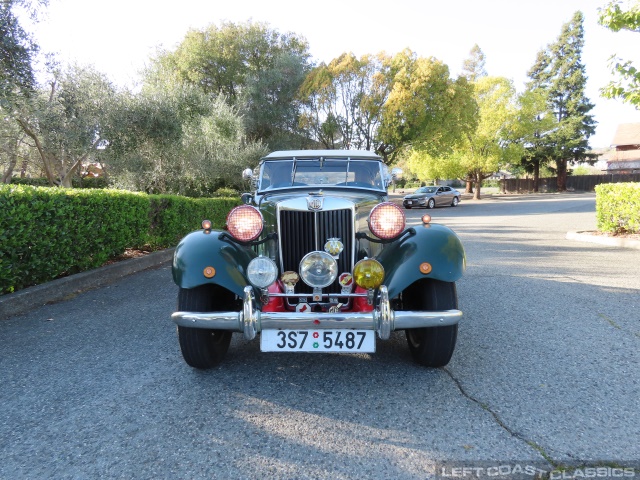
(581, 183)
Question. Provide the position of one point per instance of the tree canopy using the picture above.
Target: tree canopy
(558, 73)
(484, 149)
(343, 101)
(426, 108)
(626, 85)
(256, 68)
(474, 67)
(68, 122)
(17, 50)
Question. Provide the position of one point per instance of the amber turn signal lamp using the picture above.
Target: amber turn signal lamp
(426, 218)
(425, 268)
(206, 224)
(209, 272)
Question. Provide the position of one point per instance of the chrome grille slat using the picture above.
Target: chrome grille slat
(302, 232)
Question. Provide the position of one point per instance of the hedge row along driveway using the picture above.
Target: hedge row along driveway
(46, 233)
(618, 207)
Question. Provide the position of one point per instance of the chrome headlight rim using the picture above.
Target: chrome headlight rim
(262, 272)
(387, 228)
(247, 232)
(330, 264)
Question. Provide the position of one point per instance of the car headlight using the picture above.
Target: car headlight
(368, 273)
(244, 223)
(386, 220)
(318, 269)
(262, 272)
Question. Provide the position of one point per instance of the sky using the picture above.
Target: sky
(119, 36)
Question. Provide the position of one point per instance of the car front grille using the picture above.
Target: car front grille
(302, 232)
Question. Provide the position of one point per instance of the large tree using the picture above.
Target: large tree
(483, 150)
(626, 85)
(174, 138)
(256, 68)
(17, 51)
(559, 74)
(17, 80)
(67, 121)
(535, 124)
(426, 108)
(343, 100)
(474, 67)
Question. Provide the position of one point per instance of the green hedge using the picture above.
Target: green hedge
(77, 182)
(618, 207)
(172, 217)
(47, 232)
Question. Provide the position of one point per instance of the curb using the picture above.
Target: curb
(68, 287)
(604, 240)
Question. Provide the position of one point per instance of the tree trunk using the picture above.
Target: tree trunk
(469, 186)
(46, 163)
(8, 173)
(536, 175)
(562, 175)
(478, 182)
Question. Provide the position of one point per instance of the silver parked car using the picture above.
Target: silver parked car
(430, 197)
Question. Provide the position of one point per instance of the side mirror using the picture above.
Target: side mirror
(396, 173)
(247, 198)
(247, 174)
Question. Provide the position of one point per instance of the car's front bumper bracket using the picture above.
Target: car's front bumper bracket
(250, 320)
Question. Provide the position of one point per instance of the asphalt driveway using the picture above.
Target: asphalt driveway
(546, 373)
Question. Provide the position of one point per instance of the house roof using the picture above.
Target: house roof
(627, 134)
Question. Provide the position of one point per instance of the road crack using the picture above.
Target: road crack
(537, 447)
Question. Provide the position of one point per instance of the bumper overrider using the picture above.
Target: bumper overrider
(250, 320)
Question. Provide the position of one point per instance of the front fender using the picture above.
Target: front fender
(434, 244)
(201, 249)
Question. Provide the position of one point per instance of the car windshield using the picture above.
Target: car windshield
(326, 172)
(427, 190)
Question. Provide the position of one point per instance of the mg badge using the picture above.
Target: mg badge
(315, 203)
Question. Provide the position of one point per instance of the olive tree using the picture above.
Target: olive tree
(67, 121)
(177, 139)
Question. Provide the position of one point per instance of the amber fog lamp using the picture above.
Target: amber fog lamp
(206, 224)
(244, 223)
(426, 218)
(368, 273)
(386, 220)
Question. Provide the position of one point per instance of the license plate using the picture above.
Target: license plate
(409, 202)
(339, 340)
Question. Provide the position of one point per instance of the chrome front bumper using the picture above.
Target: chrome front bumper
(251, 321)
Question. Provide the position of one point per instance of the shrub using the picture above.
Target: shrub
(48, 232)
(618, 207)
(36, 182)
(171, 217)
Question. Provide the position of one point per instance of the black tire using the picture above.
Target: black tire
(455, 201)
(203, 348)
(431, 203)
(433, 346)
(408, 208)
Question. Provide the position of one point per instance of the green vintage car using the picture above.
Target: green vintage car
(318, 260)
